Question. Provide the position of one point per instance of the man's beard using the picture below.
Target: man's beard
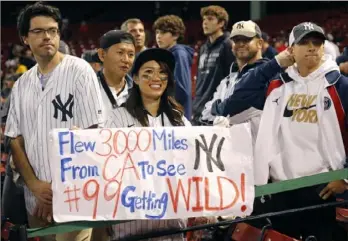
(249, 57)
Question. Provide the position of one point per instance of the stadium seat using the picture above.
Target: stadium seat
(245, 232)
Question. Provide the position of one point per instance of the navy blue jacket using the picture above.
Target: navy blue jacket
(251, 90)
(182, 74)
(214, 64)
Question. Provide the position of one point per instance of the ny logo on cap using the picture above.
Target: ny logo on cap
(308, 26)
(240, 26)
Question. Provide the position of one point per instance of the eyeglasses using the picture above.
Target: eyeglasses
(150, 74)
(40, 32)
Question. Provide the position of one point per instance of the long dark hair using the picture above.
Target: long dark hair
(168, 104)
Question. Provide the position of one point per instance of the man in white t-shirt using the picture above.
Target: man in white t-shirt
(60, 91)
(117, 52)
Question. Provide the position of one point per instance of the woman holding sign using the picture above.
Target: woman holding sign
(150, 104)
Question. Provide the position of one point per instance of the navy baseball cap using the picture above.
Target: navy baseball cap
(91, 56)
(156, 54)
(303, 29)
(114, 37)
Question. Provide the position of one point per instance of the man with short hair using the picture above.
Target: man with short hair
(170, 31)
(117, 52)
(342, 61)
(267, 50)
(215, 57)
(91, 56)
(302, 130)
(61, 91)
(135, 27)
(247, 46)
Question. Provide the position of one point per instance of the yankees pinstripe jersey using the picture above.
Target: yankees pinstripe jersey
(120, 118)
(70, 98)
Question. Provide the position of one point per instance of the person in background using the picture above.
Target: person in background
(330, 47)
(135, 27)
(21, 68)
(215, 57)
(27, 58)
(63, 48)
(267, 50)
(342, 61)
(151, 103)
(91, 56)
(170, 31)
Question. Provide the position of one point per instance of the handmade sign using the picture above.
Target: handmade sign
(151, 173)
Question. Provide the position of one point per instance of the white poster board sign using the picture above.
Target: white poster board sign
(151, 173)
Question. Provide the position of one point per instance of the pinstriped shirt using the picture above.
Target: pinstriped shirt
(71, 97)
(120, 118)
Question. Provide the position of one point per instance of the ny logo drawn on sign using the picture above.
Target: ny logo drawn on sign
(66, 108)
(308, 26)
(209, 153)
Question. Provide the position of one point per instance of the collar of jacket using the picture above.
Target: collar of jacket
(128, 78)
(247, 67)
(216, 42)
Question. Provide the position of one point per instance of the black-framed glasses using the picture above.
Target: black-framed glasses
(40, 32)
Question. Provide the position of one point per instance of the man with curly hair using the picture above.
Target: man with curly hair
(170, 31)
(215, 57)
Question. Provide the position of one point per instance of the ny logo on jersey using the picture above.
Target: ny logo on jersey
(308, 26)
(240, 26)
(65, 108)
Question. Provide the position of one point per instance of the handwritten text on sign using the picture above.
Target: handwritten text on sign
(151, 173)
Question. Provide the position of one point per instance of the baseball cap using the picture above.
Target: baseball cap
(265, 36)
(91, 56)
(114, 37)
(303, 29)
(246, 28)
(156, 54)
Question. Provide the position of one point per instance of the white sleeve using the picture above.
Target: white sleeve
(245, 116)
(186, 121)
(218, 94)
(330, 50)
(12, 128)
(88, 100)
